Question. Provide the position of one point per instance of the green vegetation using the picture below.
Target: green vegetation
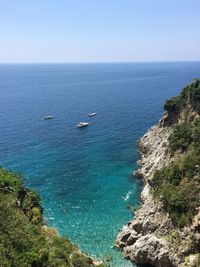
(178, 183)
(185, 136)
(173, 104)
(24, 240)
(190, 95)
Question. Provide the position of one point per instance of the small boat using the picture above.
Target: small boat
(92, 114)
(48, 117)
(82, 124)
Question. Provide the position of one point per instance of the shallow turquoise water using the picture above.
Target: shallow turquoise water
(84, 175)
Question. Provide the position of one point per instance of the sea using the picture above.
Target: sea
(84, 176)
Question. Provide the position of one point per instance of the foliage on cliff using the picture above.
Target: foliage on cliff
(190, 96)
(178, 183)
(24, 240)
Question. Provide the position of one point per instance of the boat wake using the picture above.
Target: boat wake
(127, 195)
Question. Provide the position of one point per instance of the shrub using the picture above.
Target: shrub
(173, 104)
(180, 194)
(181, 137)
(178, 183)
(190, 96)
(10, 182)
(24, 241)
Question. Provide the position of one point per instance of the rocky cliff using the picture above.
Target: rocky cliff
(154, 237)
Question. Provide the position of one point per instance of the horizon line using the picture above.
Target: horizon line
(99, 62)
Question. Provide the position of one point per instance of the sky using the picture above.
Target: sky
(39, 31)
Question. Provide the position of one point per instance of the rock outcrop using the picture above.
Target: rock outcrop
(150, 237)
(139, 238)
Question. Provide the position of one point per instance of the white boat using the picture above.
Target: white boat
(92, 114)
(82, 124)
(48, 117)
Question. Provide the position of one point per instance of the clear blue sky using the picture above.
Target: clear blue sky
(99, 30)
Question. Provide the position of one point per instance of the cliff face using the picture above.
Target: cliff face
(153, 237)
(140, 238)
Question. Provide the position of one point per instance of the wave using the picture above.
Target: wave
(127, 195)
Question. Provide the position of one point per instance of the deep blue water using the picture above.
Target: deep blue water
(83, 175)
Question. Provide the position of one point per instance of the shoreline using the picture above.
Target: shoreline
(141, 238)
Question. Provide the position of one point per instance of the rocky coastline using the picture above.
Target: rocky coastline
(150, 238)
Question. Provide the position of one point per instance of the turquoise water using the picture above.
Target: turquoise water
(84, 175)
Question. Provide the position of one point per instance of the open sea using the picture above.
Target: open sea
(84, 175)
